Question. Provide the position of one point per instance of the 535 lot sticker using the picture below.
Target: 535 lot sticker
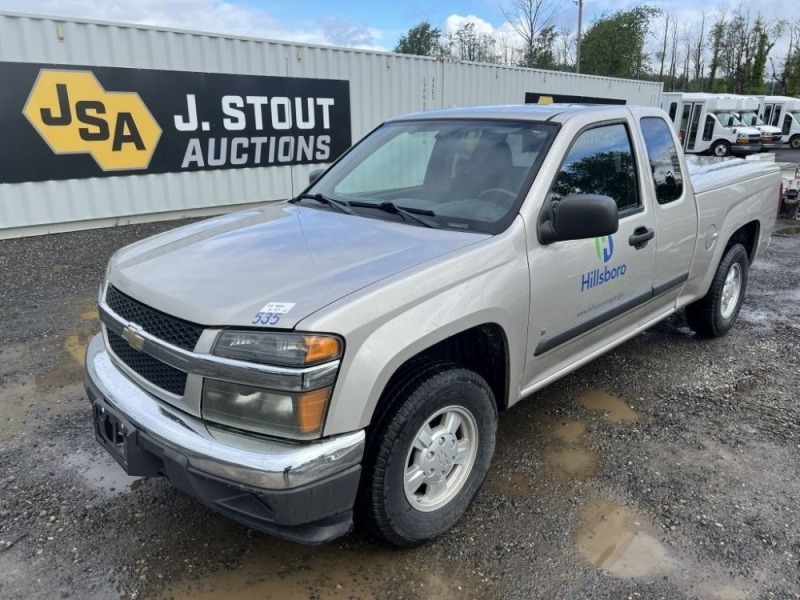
(272, 312)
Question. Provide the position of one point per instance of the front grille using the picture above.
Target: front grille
(153, 370)
(172, 330)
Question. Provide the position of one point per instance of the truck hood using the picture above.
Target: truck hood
(745, 130)
(285, 259)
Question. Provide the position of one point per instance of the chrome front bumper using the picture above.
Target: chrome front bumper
(237, 458)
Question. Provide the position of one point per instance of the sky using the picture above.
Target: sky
(371, 24)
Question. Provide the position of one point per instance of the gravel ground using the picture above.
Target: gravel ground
(667, 469)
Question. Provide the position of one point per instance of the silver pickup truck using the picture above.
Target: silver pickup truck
(342, 357)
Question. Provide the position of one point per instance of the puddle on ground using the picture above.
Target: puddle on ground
(69, 371)
(616, 411)
(573, 463)
(284, 571)
(101, 472)
(568, 432)
(90, 314)
(612, 538)
(790, 230)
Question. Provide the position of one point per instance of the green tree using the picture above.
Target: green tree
(422, 40)
(613, 45)
(467, 44)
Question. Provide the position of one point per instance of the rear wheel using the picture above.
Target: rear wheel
(715, 314)
(428, 454)
(721, 148)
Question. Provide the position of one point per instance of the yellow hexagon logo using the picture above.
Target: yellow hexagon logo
(74, 114)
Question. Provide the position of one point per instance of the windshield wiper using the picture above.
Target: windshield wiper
(415, 214)
(342, 206)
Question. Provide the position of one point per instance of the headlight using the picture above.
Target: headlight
(295, 407)
(284, 414)
(282, 349)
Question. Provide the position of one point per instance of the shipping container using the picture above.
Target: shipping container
(109, 123)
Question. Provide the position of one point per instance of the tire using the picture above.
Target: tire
(720, 148)
(795, 142)
(715, 314)
(444, 477)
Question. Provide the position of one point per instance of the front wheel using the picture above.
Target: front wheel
(721, 148)
(795, 142)
(428, 454)
(715, 314)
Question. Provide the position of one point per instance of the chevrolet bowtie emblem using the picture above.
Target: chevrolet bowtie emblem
(132, 334)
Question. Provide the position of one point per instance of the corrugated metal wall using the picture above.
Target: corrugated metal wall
(382, 85)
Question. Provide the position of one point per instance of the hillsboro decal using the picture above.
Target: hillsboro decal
(70, 122)
(604, 249)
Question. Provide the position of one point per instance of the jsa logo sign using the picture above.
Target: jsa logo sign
(74, 114)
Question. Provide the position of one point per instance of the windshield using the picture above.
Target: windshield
(458, 174)
(751, 118)
(729, 119)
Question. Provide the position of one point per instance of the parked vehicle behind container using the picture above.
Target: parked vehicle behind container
(343, 356)
(783, 112)
(709, 124)
(748, 114)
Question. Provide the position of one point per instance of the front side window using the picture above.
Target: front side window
(469, 175)
(664, 162)
(600, 162)
(787, 124)
(708, 130)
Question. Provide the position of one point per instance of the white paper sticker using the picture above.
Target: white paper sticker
(278, 308)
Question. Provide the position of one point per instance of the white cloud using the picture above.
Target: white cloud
(215, 16)
(455, 22)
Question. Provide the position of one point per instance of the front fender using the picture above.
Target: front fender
(389, 322)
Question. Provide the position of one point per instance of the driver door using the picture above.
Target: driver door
(585, 292)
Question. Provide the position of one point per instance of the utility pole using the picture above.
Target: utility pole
(580, 22)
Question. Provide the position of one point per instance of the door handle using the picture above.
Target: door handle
(640, 237)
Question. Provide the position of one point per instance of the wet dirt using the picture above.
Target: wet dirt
(690, 495)
(99, 471)
(614, 410)
(278, 570)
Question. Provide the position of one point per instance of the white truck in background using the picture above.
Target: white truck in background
(783, 112)
(709, 124)
(749, 115)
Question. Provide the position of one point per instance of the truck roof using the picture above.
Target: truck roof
(522, 112)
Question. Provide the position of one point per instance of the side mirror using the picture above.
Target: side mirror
(579, 217)
(314, 175)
